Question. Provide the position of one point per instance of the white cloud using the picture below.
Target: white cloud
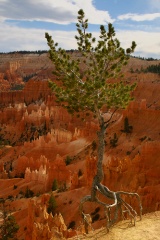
(95, 16)
(148, 43)
(139, 17)
(16, 39)
(56, 11)
(154, 5)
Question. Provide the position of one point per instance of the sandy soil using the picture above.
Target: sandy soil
(147, 229)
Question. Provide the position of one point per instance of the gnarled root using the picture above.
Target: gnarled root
(118, 204)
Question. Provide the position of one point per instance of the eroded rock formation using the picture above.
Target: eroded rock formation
(37, 136)
(41, 225)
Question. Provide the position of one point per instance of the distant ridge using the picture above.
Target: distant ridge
(71, 50)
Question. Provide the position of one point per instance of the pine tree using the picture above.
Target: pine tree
(51, 205)
(54, 185)
(8, 227)
(127, 127)
(114, 140)
(91, 90)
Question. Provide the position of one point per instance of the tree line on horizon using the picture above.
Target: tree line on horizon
(69, 50)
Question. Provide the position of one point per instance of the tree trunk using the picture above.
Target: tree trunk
(118, 202)
(101, 147)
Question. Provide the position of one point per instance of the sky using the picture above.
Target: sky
(23, 23)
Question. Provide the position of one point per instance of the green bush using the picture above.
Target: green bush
(114, 140)
(29, 193)
(127, 128)
(10, 197)
(128, 152)
(9, 228)
(68, 160)
(51, 205)
(153, 69)
(54, 185)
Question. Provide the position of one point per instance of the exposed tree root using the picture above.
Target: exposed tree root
(119, 204)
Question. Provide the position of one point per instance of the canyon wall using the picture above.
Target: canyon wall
(40, 142)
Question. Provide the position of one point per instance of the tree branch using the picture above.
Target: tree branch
(108, 121)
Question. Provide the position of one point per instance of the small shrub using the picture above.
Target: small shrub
(54, 185)
(68, 160)
(127, 128)
(128, 152)
(17, 87)
(142, 138)
(10, 197)
(29, 193)
(145, 138)
(14, 187)
(9, 227)
(51, 205)
(114, 140)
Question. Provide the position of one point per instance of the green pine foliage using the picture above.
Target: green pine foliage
(9, 228)
(127, 128)
(54, 185)
(114, 141)
(91, 90)
(29, 193)
(68, 160)
(153, 69)
(92, 84)
(8, 225)
(51, 204)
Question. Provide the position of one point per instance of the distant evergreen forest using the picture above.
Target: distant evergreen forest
(147, 59)
(33, 52)
(71, 50)
(26, 52)
(150, 68)
(153, 69)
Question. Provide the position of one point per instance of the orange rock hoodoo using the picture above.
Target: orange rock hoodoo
(41, 225)
(37, 136)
